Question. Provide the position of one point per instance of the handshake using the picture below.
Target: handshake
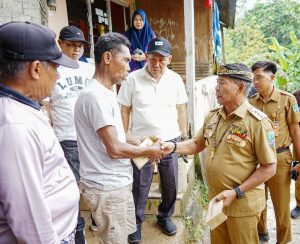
(154, 150)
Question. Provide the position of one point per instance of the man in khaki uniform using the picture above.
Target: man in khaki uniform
(282, 108)
(295, 213)
(241, 156)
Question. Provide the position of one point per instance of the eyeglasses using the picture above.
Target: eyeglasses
(160, 60)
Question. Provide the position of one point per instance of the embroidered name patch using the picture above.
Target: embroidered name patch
(295, 107)
(159, 43)
(271, 138)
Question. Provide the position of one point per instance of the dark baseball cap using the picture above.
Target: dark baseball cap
(72, 33)
(29, 42)
(159, 45)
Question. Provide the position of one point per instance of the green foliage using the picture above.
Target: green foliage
(249, 41)
(244, 44)
(288, 77)
(269, 31)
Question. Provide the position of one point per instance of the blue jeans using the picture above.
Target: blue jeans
(71, 154)
(168, 170)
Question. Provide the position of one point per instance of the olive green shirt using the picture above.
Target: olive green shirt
(243, 140)
(282, 109)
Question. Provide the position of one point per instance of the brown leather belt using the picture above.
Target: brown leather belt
(282, 149)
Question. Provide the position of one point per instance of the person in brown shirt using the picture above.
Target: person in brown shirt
(295, 212)
(241, 155)
(282, 108)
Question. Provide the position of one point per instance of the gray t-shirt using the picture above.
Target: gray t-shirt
(97, 107)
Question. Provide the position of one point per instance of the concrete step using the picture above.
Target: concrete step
(154, 196)
(151, 231)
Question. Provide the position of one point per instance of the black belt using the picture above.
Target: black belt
(282, 149)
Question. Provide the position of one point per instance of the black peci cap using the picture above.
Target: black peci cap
(159, 45)
(28, 42)
(72, 33)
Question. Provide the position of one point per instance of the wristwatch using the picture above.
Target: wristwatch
(239, 193)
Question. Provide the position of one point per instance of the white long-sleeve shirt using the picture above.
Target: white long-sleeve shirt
(38, 192)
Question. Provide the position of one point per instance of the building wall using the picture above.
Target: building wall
(21, 10)
(167, 20)
(59, 18)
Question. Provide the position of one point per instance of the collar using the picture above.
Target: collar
(274, 95)
(6, 91)
(240, 111)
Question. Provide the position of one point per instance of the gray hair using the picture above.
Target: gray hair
(246, 84)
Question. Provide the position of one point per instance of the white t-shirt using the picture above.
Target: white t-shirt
(63, 98)
(153, 103)
(97, 107)
(39, 194)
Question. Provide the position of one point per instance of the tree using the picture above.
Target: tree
(288, 77)
(269, 31)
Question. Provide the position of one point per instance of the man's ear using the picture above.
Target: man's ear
(169, 59)
(273, 77)
(107, 57)
(35, 69)
(242, 86)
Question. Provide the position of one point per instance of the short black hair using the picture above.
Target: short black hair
(266, 65)
(109, 42)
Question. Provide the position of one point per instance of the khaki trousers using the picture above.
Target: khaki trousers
(297, 192)
(297, 184)
(113, 212)
(236, 230)
(279, 187)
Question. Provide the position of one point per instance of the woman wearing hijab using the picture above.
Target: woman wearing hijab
(140, 34)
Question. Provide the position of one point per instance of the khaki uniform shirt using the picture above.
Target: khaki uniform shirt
(243, 139)
(282, 109)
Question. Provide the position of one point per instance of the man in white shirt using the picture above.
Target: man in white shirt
(106, 174)
(38, 192)
(155, 97)
(62, 101)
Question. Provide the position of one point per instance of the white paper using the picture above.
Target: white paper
(99, 11)
(215, 215)
(141, 161)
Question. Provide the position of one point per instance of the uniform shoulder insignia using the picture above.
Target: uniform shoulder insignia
(257, 113)
(215, 109)
(253, 95)
(285, 93)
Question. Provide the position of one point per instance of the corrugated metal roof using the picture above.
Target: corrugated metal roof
(227, 10)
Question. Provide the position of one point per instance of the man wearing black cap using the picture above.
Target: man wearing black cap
(156, 98)
(63, 98)
(241, 156)
(282, 108)
(39, 194)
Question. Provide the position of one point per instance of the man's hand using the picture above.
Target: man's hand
(228, 197)
(167, 147)
(296, 168)
(155, 153)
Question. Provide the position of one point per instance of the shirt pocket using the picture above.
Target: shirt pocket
(143, 99)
